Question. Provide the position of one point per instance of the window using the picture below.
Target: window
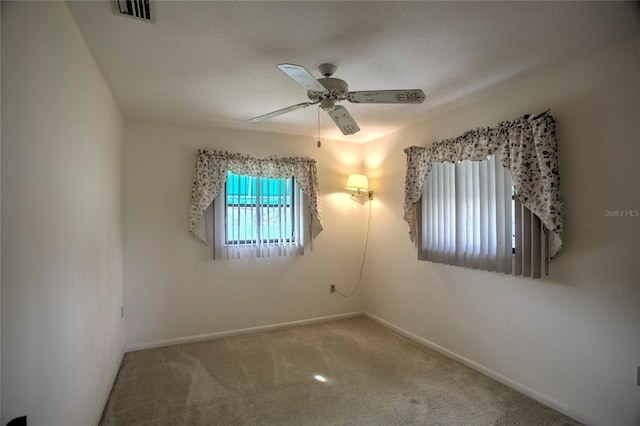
(255, 216)
(259, 210)
(457, 212)
(243, 206)
(470, 216)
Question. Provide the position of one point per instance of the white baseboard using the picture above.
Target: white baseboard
(237, 332)
(107, 394)
(544, 399)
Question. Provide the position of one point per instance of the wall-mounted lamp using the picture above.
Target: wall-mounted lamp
(359, 184)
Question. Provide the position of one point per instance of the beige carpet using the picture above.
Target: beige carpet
(373, 377)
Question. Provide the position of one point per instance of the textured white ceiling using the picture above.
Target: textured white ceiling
(215, 62)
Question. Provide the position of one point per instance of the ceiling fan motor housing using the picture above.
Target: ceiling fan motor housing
(336, 90)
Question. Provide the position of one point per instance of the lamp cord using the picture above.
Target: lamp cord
(364, 256)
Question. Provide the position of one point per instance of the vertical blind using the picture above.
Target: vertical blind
(468, 217)
(531, 249)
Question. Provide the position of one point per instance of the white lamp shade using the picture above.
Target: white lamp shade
(358, 183)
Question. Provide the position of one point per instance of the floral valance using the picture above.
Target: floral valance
(211, 174)
(527, 147)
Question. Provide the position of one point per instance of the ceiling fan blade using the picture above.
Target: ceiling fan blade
(343, 120)
(415, 96)
(302, 77)
(280, 112)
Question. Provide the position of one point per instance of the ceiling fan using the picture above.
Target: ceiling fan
(328, 90)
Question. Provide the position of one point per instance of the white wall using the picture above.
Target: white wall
(61, 221)
(571, 339)
(174, 290)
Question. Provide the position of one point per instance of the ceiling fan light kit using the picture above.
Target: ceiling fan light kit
(328, 90)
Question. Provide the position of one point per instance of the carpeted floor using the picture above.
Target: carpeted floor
(372, 376)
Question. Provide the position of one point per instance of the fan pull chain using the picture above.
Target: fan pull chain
(319, 143)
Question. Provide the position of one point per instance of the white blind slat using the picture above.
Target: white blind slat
(518, 231)
(492, 217)
(536, 258)
(526, 248)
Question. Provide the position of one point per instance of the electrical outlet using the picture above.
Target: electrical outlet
(332, 288)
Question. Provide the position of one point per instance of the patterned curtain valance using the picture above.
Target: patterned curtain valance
(527, 147)
(211, 174)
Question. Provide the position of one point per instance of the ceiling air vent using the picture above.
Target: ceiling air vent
(143, 10)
